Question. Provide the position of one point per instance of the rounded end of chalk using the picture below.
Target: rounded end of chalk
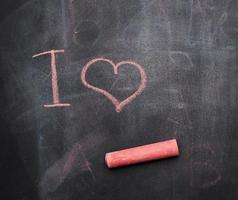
(107, 160)
(176, 148)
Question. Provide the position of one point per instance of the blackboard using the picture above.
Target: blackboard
(188, 51)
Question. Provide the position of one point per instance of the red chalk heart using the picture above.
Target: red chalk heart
(119, 105)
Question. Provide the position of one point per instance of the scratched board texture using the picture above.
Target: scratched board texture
(188, 50)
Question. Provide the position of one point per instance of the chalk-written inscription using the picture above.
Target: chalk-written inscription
(118, 105)
(54, 79)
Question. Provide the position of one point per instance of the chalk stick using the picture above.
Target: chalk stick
(149, 152)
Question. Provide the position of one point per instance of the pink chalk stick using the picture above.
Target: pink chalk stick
(141, 154)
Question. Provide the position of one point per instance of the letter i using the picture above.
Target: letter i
(54, 79)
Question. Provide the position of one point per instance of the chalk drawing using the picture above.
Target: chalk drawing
(204, 173)
(172, 55)
(118, 105)
(54, 79)
(198, 178)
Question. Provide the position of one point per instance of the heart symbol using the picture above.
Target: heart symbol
(119, 105)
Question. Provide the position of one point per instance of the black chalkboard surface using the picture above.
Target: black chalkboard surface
(188, 52)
